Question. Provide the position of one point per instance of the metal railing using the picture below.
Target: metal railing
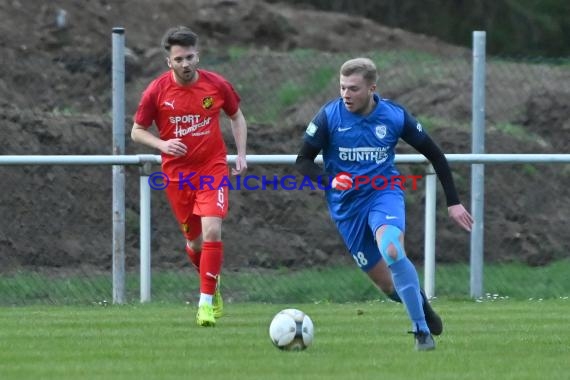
(146, 160)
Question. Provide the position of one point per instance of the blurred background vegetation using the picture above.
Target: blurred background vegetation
(514, 27)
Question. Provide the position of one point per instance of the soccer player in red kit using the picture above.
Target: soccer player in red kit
(185, 105)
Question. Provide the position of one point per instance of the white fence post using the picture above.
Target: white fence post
(429, 233)
(478, 170)
(145, 232)
(118, 79)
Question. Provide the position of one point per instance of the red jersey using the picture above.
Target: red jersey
(191, 113)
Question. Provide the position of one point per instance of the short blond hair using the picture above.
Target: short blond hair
(363, 66)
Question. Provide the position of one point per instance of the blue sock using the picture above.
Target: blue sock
(407, 285)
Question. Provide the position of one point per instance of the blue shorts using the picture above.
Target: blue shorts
(358, 232)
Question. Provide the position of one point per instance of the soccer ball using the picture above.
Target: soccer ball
(291, 330)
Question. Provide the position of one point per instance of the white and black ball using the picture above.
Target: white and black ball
(291, 330)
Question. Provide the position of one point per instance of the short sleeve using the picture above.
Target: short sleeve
(146, 110)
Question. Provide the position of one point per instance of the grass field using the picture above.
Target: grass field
(500, 339)
(336, 284)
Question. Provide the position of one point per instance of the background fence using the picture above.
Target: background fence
(55, 242)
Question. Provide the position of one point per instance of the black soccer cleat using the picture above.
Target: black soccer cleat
(424, 341)
(433, 320)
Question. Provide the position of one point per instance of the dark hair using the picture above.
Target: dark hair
(179, 35)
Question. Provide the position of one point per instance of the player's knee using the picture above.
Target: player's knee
(212, 234)
(211, 228)
(390, 246)
(392, 251)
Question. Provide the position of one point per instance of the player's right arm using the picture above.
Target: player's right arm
(147, 113)
(305, 162)
(174, 147)
(314, 139)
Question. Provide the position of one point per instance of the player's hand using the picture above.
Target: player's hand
(342, 181)
(241, 165)
(174, 147)
(460, 216)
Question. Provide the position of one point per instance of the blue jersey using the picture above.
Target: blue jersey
(362, 146)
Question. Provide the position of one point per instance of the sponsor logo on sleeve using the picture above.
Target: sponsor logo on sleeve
(312, 129)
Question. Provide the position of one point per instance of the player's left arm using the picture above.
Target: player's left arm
(239, 130)
(414, 135)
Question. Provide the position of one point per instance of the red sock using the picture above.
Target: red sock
(210, 265)
(194, 257)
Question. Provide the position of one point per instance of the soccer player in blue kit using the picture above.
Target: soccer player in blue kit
(357, 134)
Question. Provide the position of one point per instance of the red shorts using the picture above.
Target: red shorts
(190, 203)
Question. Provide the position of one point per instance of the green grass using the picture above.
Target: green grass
(431, 123)
(290, 92)
(503, 339)
(383, 59)
(519, 132)
(510, 280)
(329, 284)
(276, 84)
